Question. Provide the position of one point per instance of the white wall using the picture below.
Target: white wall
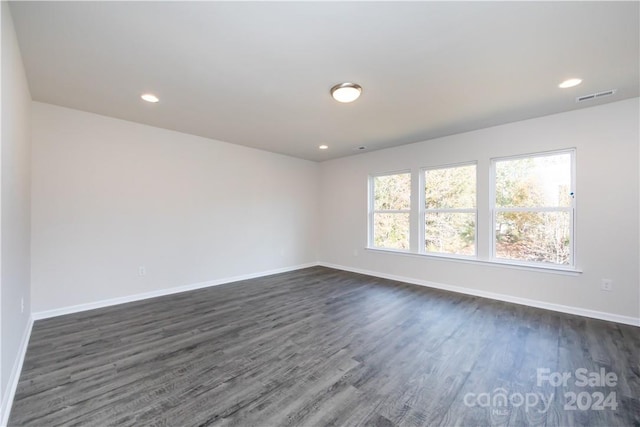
(606, 138)
(15, 206)
(109, 196)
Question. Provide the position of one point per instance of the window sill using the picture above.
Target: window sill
(569, 271)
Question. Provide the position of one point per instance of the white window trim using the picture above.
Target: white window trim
(373, 211)
(537, 267)
(572, 209)
(422, 232)
(419, 250)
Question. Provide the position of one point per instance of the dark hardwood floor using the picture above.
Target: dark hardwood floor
(325, 347)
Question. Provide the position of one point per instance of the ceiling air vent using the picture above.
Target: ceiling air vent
(595, 95)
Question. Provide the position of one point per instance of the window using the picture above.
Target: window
(450, 210)
(389, 210)
(517, 210)
(533, 208)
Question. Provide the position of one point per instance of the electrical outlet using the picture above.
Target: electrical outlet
(142, 271)
(606, 285)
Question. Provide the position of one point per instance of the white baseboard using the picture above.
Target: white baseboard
(627, 320)
(14, 377)
(161, 292)
(8, 395)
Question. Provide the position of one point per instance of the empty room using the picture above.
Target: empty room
(320, 213)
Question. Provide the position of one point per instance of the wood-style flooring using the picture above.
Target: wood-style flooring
(325, 347)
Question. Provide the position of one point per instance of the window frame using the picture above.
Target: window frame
(372, 211)
(494, 210)
(422, 231)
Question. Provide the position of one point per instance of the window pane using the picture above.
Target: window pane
(450, 188)
(543, 181)
(450, 233)
(392, 192)
(534, 236)
(391, 230)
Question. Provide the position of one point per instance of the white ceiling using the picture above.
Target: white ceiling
(259, 73)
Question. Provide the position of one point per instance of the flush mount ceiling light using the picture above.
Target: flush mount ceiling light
(346, 92)
(569, 83)
(149, 97)
(323, 147)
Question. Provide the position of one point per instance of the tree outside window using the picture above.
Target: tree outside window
(450, 210)
(534, 210)
(391, 207)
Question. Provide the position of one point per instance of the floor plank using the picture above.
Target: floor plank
(322, 347)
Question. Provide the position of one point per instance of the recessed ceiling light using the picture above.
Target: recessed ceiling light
(323, 147)
(149, 97)
(346, 92)
(569, 83)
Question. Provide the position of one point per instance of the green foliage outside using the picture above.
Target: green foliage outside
(535, 183)
(450, 188)
(392, 192)
(391, 230)
(537, 235)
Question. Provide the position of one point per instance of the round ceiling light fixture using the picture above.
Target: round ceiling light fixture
(569, 83)
(149, 97)
(346, 92)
